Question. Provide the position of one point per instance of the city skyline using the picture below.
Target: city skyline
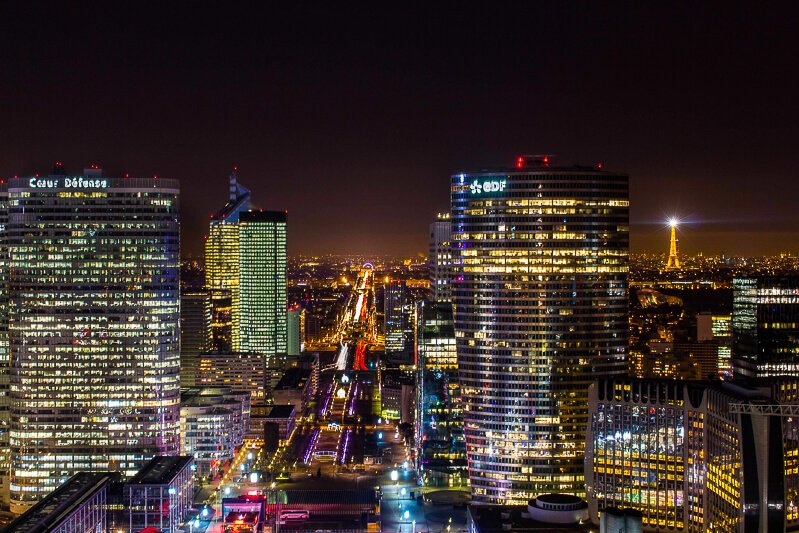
(329, 107)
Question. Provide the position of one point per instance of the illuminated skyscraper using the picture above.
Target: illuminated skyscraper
(94, 326)
(262, 283)
(222, 267)
(195, 332)
(440, 448)
(439, 259)
(245, 256)
(540, 297)
(396, 310)
(5, 399)
(765, 326)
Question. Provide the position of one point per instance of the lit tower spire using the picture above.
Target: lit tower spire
(674, 259)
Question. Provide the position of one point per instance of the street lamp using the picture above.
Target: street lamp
(394, 475)
(403, 491)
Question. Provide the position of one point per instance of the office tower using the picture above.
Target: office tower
(396, 301)
(222, 267)
(195, 332)
(439, 259)
(296, 330)
(440, 446)
(673, 262)
(262, 282)
(5, 369)
(765, 323)
(694, 456)
(540, 297)
(722, 334)
(246, 274)
(94, 326)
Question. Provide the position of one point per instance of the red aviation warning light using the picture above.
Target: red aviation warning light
(524, 161)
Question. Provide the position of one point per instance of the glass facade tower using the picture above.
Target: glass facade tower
(94, 326)
(540, 294)
(440, 448)
(262, 285)
(765, 326)
(222, 267)
(398, 327)
(440, 259)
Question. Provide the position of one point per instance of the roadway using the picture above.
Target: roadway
(328, 450)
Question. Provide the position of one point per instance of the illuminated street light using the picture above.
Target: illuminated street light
(394, 475)
(403, 491)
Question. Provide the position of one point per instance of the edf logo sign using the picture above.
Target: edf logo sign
(488, 186)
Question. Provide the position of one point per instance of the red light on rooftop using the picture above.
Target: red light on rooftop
(519, 162)
(599, 165)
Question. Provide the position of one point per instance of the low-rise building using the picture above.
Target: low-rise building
(310, 361)
(213, 423)
(160, 494)
(294, 388)
(285, 417)
(241, 372)
(550, 513)
(397, 395)
(78, 505)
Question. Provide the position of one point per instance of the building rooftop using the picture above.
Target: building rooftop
(282, 411)
(59, 504)
(263, 216)
(294, 378)
(491, 519)
(161, 470)
(330, 497)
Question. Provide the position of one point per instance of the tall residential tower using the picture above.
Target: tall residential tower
(540, 296)
(93, 321)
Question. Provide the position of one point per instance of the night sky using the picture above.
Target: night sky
(352, 117)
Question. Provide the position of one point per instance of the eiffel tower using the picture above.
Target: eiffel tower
(674, 260)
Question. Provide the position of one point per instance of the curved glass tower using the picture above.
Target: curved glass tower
(93, 267)
(540, 296)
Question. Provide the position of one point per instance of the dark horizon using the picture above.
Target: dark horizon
(353, 118)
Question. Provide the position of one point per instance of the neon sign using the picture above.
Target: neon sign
(487, 186)
(68, 183)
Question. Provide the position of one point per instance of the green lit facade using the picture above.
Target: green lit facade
(262, 282)
(93, 267)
